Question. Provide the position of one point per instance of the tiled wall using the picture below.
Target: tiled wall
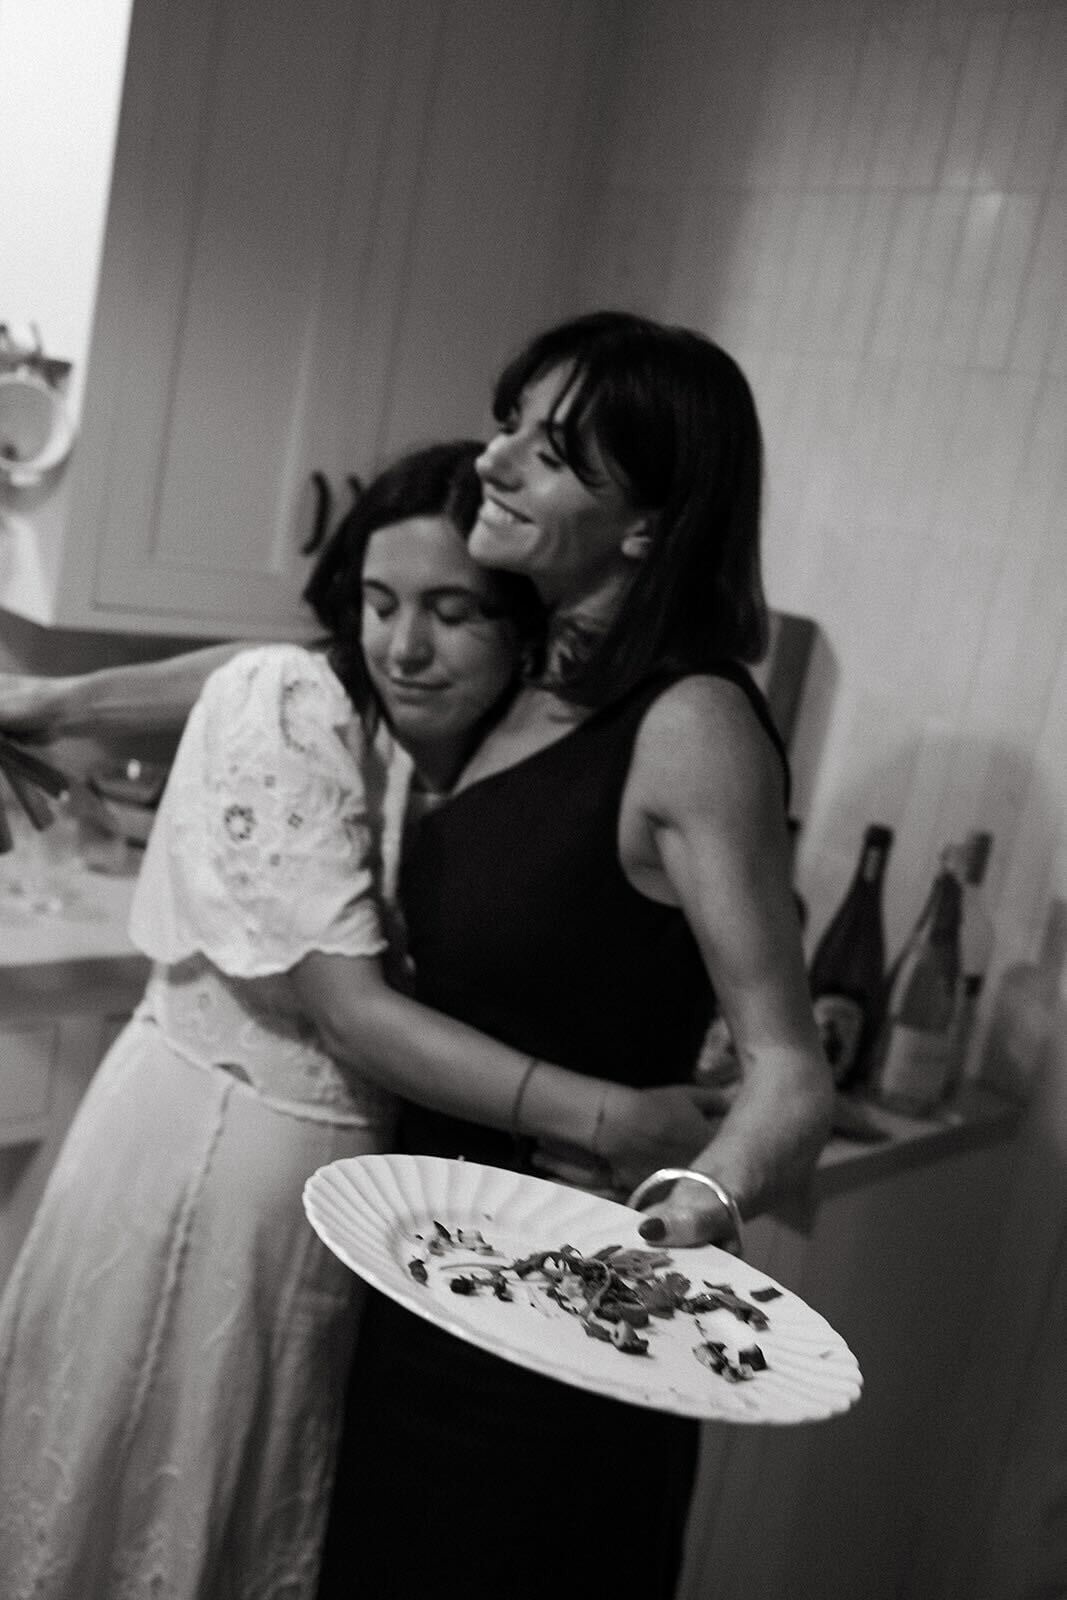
(867, 205)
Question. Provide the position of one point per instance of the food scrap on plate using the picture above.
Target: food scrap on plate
(612, 1293)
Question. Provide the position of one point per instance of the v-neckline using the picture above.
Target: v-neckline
(476, 784)
(597, 714)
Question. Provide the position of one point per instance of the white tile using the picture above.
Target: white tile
(979, 237)
(1056, 351)
(902, 266)
(849, 99)
(802, 260)
(789, 103)
(1041, 295)
(985, 450)
(941, 51)
(863, 280)
(911, 93)
(937, 255)
(1020, 56)
(974, 99)
(734, 57)
(1020, 217)
(1044, 101)
(841, 220)
(1037, 511)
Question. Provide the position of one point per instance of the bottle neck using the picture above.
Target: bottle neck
(943, 926)
(976, 858)
(871, 868)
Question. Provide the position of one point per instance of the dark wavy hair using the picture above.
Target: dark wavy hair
(674, 417)
(438, 481)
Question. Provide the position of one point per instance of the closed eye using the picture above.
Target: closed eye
(380, 600)
(455, 609)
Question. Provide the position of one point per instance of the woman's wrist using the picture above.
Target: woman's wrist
(72, 705)
(565, 1106)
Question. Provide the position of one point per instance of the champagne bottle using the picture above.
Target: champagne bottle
(911, 1057)
(1025, 1012)
(847, 973)
(976, 948)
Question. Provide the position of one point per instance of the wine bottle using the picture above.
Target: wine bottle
(976, 948)
(1024, 1012)
(847, 972)
(910, 1064)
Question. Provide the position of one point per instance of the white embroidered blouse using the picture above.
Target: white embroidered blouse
(278, 834)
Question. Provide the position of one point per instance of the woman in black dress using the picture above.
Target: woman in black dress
(616, 846)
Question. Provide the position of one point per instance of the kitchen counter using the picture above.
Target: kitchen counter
(68, 982)
(74, 960)
(92, 925)
(976, 1117)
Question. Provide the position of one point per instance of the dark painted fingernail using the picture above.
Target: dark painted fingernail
(653, 1228)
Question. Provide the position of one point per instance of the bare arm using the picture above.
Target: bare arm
(708, 833)
(435, 1061)
(151, 696)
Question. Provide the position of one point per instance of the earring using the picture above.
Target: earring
(635, 546)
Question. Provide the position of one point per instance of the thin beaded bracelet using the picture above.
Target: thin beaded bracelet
(665, 1175)
(516, 1105)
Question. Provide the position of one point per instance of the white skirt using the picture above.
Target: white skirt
(174, 1345)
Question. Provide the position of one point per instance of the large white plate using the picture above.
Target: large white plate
(377, 1212)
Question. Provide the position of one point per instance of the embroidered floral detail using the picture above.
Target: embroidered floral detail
(270, 843)
(239, 821)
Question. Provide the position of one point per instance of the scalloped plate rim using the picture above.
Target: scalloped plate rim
(337, 1183)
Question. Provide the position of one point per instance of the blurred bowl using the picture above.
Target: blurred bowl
(130, 821)
(36, 433)
(132, 782)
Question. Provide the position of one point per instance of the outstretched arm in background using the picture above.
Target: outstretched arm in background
(145, 697)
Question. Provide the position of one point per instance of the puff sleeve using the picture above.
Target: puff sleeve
(267, 843)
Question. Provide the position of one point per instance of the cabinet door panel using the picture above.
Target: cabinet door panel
(327, 225)
(27, 1060)
(222, 301)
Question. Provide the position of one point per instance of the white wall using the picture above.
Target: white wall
(57, 129)
(867, 205)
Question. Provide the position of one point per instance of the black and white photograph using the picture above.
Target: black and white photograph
(533, 800)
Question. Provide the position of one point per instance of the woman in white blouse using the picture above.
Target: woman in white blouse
(174, 1340)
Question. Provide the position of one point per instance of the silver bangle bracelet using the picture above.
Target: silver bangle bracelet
(665, 1175)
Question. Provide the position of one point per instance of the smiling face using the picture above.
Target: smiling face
(437, 650)
(575, 537)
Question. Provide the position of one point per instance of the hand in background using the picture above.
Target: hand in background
(641, 1129)
(29, 706)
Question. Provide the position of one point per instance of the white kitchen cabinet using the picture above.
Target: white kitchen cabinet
(57, 1021)
(324, 229)
(28, 1055)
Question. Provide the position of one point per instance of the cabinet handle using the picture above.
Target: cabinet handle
(323, 510)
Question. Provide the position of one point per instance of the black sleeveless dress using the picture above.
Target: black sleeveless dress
(462, 1475)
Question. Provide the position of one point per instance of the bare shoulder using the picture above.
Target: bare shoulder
(702, 740)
